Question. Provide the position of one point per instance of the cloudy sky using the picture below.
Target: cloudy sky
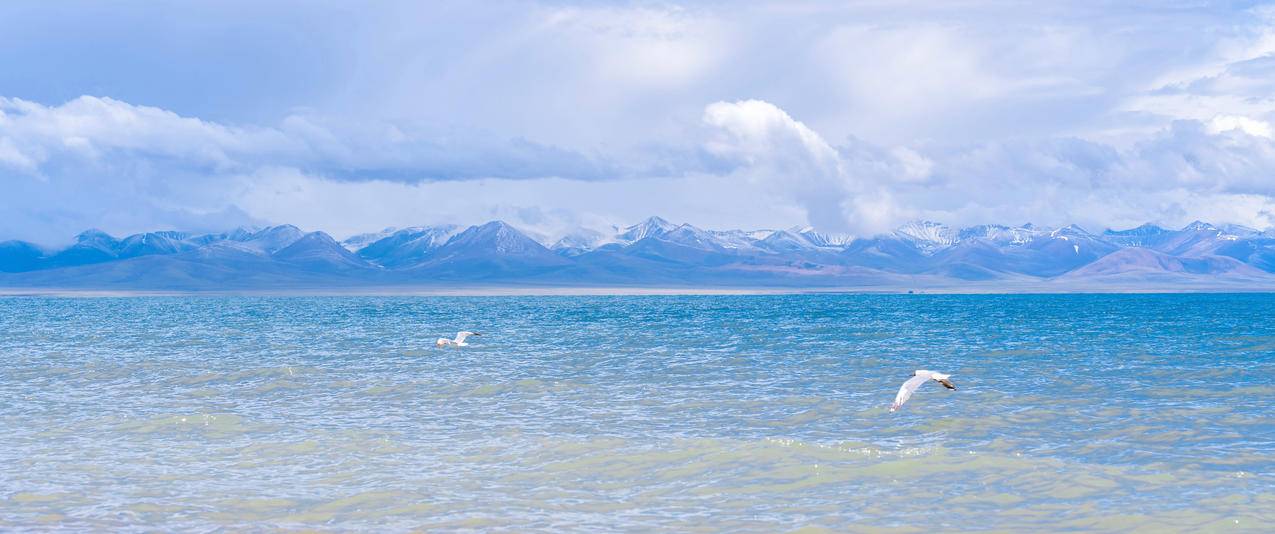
(852, 117)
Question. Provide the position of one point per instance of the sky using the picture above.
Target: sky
(852, 117)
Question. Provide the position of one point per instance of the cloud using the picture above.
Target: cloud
(840, 188)
(101, 162)
(92, 129)
(850, 116)
(1225, 123)
(97, 161)
(1221, 168)
(548, 206)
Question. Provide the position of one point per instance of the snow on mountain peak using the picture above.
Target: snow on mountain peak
(821, 239)
(1000, 234)
(928, 236)
(652, 226)
(1236, 231)
(356, 242)
(497, 236)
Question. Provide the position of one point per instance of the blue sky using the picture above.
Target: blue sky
(852, 117)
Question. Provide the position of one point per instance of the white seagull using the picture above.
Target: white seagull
(919, 377)
(458, 342)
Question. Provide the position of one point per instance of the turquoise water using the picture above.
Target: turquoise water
(675, 413)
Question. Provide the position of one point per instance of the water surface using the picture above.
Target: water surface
(676, 413)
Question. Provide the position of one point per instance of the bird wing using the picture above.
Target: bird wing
(906, 390)
(460, 336)
(947, 383)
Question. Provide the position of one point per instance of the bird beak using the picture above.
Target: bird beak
(947, 383)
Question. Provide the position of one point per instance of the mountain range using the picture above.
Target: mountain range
(656, 253)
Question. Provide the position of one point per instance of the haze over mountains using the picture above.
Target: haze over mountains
(655, 253)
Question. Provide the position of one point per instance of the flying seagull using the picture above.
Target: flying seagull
(458, 342)
(919, 377)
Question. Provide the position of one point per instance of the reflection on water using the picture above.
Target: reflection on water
(745, 413)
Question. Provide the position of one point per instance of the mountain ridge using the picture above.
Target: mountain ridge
(654, 251)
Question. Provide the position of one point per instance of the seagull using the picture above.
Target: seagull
(458, 342)
(919, 377)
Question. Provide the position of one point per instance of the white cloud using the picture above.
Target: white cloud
(90, 127)
(1226, 123)
(793, 161)
(652, 47)
(101, 162)
(1177, 174)
(862, 115)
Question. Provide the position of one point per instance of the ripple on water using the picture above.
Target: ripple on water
(1140, 412)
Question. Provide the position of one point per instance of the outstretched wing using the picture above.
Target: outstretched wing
(947, 383)
(906, 391)
(460, 336)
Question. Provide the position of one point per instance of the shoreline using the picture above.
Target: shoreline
(567, 291)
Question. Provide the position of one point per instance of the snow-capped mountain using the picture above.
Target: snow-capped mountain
(928, 236)
(1147, 235)
(357, 242)
(786, 241)
(272, 239)
(317, 250)
(651, 227)
(490, 250)
(580, 241)
(1000, 234)
(409, 246)
(821, 239)
(654, 251)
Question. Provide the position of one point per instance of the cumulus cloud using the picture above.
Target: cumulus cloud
(769, 146)
(846, 188)
(1221, 167)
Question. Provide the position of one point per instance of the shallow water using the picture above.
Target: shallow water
(681, 413)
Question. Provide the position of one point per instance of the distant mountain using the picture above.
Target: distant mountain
(356, 243)
(822, 239)
(91, 246)
(1000, 235)
(927, 236)
(19, 256)
(152, 243)
(492, 250)
(1146, 265)
(580, 241)
(1258, 251)
(409, 246)
(651, 227)
(1147, 235)
(270, 240)
(318, 251)
(655, 252)
(787, 242)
